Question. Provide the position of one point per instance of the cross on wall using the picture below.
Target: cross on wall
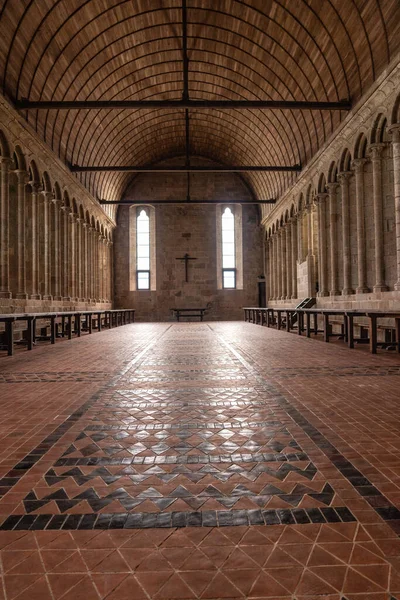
(186, 258)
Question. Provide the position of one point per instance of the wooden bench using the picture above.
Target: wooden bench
(345, 318)
(62, 324)
(188, 312)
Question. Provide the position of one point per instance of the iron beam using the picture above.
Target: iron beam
(190, 169)
(25, 104)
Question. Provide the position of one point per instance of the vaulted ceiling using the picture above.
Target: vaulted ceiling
(313, 50)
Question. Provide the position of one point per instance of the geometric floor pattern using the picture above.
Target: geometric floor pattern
(194, 461)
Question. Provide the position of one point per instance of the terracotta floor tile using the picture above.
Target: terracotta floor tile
(129, 588)
(229, 388)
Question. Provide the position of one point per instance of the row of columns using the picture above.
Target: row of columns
(282, 271)
(46, 251)
(281, 261)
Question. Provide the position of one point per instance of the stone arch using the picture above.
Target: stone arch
(360, 147)
(300, 203)
(309, 197)
(332, 173)
(46, 183)
(34, 173)
(321, 188)
(345, 161)
(19, 158)
(57, 191)
(66, 199)
(4, 146)
(395, 117)
(379, 130)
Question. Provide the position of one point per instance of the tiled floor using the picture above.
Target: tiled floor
(199, 460)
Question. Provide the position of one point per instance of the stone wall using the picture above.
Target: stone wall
(343, 214)
(192, 230)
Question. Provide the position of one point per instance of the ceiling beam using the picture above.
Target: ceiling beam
(185, 202)
(25, 104)
(185, 94)
(185, 169)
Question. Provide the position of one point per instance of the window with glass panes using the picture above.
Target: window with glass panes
(143, 250)
(228, 250)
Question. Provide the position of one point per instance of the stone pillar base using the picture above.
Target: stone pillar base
(397, 286)
(380, 288)
(362, 290)
(47, 297)
(58, 298)
(35, 297)
(67, 299)
(347, 292)
(21, 296)
(5, 294)
(322, 294)
(335, 293)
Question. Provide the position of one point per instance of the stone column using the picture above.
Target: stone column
(91, 263)
(22, 180)
(45, 245)
(110, 270)
(332, 194)
(294, 256)
(34, 250)
(288, 260)
(78, 260)
(55, 250)
(395, 131)
(358, 166)
(283, 263)
(323, 279)
(99, 270)
(5, 291)
(310, 236)
(272, 267)
(85, 250)
(376, 158)
(104, 266)
(279, 265)
(344, 187)
(72, 255)
(65, 254)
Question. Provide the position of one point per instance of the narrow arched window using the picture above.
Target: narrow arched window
(142, 250)
(228, 250)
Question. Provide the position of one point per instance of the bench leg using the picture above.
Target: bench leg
(372, 335)
(31, 335)
(53, 330)
(10, 337)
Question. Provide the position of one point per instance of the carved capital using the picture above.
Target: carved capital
(332, 188)
(394, 131)
(344, 177)
(22, 176)
(36, 187)
(5, 162)
(321, 197)
(358, 164)
(375, 150)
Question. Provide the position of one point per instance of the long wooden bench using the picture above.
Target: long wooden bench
(60, 324)
(307, 321)
(188, 312)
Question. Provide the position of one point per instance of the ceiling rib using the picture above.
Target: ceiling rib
(24, 104)
(186, 169)
(186, 202)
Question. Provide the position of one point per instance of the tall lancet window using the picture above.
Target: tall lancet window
(228, 250)
(143, 250)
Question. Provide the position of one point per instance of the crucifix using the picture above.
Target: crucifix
(186, 258)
